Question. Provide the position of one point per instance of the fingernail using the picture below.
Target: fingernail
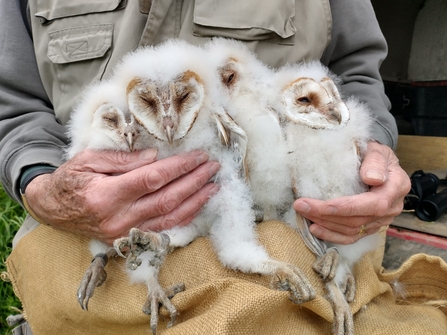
(148, 155)
(376, 175)
(214, 168)
(302, 207)
(328, 210)
(202, 158)
(214, 190)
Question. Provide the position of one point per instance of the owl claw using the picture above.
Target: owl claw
(158, 296)
(121, 243)
(292, 279)
(94, 276)
(343, 323)
(327, 265)
(348, 287)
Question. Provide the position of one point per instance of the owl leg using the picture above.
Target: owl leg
(157, 246)
(139, 242)
(158, 296)
(94, 277)
(327, 265)
(343, 323)
(347, 286)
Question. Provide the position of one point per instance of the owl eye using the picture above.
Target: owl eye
(230, 78)
(112, 120)
(184, 97)
(304, 100)
(148, 102)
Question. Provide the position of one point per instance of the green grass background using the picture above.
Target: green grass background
(11, 217)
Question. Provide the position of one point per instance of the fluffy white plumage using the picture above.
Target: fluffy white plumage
(174, 92)
(326, 138)
(248, 95)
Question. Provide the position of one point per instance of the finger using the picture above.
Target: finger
(171, 196)
(353, 228)
(184, 213)
(375, 203)
(113, 162)
(335, 237)
(374, 168)
(150, 178)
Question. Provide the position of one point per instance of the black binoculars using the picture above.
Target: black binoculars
(423, 197)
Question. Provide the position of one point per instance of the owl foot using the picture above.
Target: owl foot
(327, 265)
(94, 276)
(139, 242)
(158, 296)
(292, 279)
(343, 323)
(348, 287)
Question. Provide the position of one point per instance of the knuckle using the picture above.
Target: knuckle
(168, 221)
(155, 179)
(184, 166)
(382, 207)
(168, 202)
(121, 157)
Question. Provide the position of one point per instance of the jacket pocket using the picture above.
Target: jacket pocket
(50, 10)
(244, 20)
(73, 44)
(79, 43)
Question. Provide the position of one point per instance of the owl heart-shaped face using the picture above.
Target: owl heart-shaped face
(314, 104)
(167, 110)
(115, 125)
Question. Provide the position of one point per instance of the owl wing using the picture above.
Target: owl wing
(233, 136)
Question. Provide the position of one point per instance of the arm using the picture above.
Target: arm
(30, 134)
(79, 195)
(355, 53)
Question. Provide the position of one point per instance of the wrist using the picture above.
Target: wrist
(28, 175)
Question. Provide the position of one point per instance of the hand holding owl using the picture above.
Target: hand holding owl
(340, 220)
(78, 196)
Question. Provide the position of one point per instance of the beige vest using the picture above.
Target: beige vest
(79, 42)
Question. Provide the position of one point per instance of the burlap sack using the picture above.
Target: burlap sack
(47, 265)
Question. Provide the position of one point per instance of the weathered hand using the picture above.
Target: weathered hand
(104, 194)
(340, 220)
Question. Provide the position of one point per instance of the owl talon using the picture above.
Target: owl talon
(94, 276)
(121, 243)
(343, 323)
(158, 296)
(292, 279)
(348, 287)
(327, 265)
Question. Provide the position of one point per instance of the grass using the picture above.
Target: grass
(11, 217)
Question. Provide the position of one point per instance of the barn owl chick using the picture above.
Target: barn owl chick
(326, 138)
(176, 99)
(247, 86)
(102, 121)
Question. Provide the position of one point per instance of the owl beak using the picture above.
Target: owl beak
(334, 116)
(169, 134)
(129, 140)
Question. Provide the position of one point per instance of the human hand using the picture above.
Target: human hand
(104, 194)
(340, 220)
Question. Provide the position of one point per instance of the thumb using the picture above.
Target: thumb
(114, 162)
(374, 169)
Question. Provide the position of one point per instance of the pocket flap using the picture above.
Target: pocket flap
(275, 17)
(50, 10)
(80, 43)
